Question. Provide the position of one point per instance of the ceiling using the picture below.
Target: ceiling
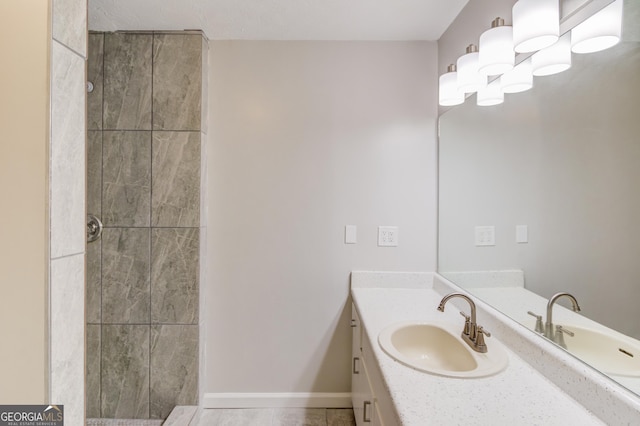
(281, 19)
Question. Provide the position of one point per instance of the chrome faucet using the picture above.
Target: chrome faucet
(472, 334)
(549, 331)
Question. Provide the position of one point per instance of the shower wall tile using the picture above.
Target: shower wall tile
(177, 85)
(93, 371)
(127, 81)
(70, 24)
(95, 76)
(67, 155)
(176, 179)
(67, 334)
(174, 275)
(93, 301)
(125, 371)
(125, 275)
(94, 173)
(126, 178)
(174, 368)
(204, 117)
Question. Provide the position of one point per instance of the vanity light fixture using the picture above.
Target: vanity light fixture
(600, 31)
(553, 59)
(449, 94)
(519, 79)
(469, 79)
(496, 54)
(536, 24)
(491, 94)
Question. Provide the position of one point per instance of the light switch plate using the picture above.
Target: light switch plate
(522, 234)
(387, 236)
(350, 234)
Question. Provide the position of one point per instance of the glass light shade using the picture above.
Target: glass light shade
(601, 31)
(448, 94)
(536, 24)
(553, 59)
(496, 54)
(469, 79)
(519, 79)
(490, 95)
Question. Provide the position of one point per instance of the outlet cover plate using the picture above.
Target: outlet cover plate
(387, 236)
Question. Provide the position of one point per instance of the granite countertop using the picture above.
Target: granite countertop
(519, 395)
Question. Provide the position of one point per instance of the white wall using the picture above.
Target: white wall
(306, 137)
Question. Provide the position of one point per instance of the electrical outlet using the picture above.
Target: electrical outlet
(485, 236)
(387, 236)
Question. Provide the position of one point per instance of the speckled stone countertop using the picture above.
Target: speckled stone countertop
(519, 395)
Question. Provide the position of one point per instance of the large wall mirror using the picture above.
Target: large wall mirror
(560, 164)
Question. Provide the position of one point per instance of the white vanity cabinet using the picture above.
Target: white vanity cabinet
(372, 406)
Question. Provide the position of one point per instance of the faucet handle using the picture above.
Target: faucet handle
(467, 323)
(539, 326)
(480, 345)
(558, 338)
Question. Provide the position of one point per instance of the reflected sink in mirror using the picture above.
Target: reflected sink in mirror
(437, 348)
(606, 352)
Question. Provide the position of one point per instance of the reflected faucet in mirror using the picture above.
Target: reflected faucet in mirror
(472, 334)
(549, 331)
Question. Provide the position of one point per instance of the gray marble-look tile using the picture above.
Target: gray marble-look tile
(94, 173)
(174, 368)
(204, 120)
(93, 258)
(235, 417)
(174, 275)
(125, 275)
(95, 57)
(92, 375)
(125, 371)
(127, 81)
(340, 417)
(176, 179)
(70, 24)
(181, 415)
(177, 85)
(67, 336)
(126, 178)
(299, 417)
(67, 178)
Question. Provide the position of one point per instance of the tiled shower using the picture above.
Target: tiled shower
(143, 181)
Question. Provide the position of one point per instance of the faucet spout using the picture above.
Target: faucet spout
(472, 334)
(548, 325)
(462, 296)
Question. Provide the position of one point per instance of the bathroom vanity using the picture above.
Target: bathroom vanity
(541, 384)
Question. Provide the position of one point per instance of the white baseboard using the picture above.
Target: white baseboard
(277, 400)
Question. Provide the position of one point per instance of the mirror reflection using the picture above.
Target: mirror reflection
(541, 195)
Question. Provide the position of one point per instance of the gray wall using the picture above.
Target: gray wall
(307, 137)
(144, 159)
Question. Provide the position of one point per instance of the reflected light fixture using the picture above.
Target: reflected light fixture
(536, 24)
(600, 31)
(553, 59)
(449, 94)
(519, 79)
(469, 79)
(496, 54)
(491, 94)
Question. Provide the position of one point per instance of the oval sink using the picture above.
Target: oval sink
(437, 348)
(606, 352)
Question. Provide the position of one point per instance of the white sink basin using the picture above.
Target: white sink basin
(606, 352)
(437, 348)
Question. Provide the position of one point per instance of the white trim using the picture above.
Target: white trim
(277, 400)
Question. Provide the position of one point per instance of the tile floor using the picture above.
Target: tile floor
(275, 417)
(251, 417)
